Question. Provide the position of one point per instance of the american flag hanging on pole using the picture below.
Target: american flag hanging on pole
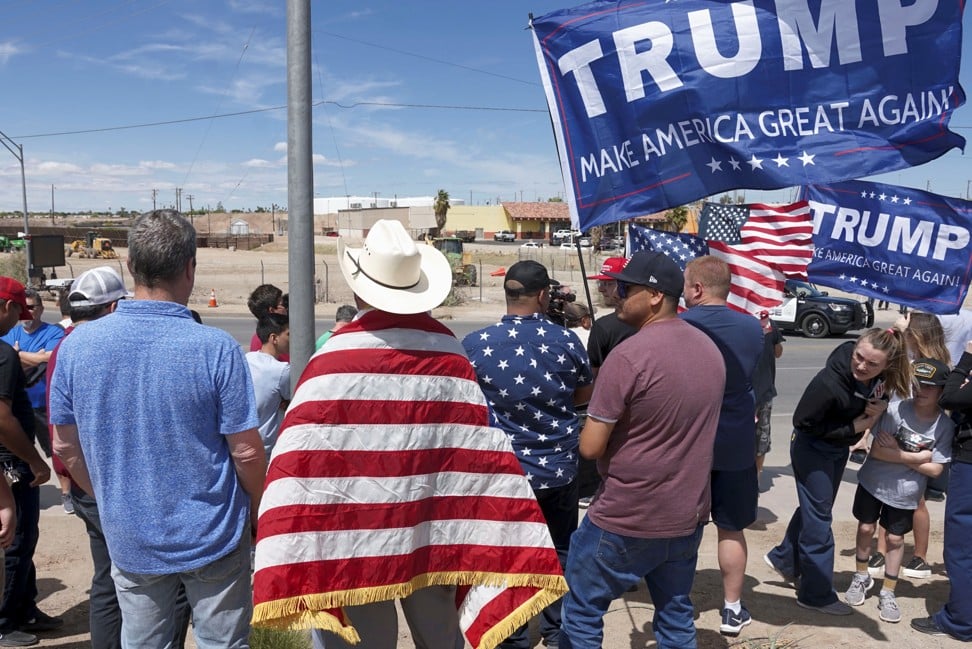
(776, 243)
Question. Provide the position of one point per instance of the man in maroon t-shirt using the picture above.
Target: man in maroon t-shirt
(651, 425)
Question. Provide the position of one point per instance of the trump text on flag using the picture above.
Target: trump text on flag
(658, 104)
(906, 245)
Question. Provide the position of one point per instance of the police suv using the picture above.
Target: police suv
(817, 314)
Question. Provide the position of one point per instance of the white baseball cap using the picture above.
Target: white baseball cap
(97, 286)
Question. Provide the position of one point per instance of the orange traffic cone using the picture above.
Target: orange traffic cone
(212, 299)
(499, 272)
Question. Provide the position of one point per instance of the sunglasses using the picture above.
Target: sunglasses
(31, 307)
(622, 289)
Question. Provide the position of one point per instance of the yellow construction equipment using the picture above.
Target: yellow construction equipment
(94, 247)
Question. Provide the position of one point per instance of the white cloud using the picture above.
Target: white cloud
(157, 164)
(258, 163)
(53, 167)
(7, 51)
(280, 147)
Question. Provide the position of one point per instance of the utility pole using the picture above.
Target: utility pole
(178, 203)
(300, 185)
(273, 218)
(190, 197)
(17, 150)
(155, 193)
(52, 205)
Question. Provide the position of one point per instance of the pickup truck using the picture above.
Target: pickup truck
(817, 314)
(563, 236)
(504, 235)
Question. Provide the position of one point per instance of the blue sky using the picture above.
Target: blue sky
(81, 65)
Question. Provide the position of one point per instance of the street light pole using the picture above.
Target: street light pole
(18, 152)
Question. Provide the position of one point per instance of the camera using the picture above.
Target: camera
(560, 297)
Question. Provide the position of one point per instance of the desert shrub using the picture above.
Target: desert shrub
(273, 639)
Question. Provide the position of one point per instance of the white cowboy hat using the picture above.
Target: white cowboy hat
(391, 273)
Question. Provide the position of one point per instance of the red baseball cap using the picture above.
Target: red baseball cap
(610, 265)
(13, 291)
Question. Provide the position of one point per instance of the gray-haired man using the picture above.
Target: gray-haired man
(178, 493)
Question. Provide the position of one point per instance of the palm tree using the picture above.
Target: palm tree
(440, 208)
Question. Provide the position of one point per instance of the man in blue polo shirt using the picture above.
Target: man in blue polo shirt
(533, 373)
(164, 436)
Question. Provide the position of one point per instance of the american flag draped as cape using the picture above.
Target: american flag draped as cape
(386, 478)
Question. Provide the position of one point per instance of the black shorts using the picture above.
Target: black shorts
(868, 509)
(735, 495)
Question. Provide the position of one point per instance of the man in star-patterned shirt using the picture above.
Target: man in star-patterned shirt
(533, 373)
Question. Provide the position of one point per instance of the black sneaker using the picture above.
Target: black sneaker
(875, 565)
(927, 625)
(17, 639)
(917, 568)
(732, 623)
(42, 622)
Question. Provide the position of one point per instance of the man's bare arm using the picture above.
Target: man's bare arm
(250, 461)
(67, 446)
(13, 437)
(33, 359)
(594, 438)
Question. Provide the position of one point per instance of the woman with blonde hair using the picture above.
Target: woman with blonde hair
(839, 405)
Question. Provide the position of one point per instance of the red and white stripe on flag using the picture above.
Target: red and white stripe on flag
(386, 478)
(777, 243)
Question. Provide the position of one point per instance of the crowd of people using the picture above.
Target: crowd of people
(448, 475)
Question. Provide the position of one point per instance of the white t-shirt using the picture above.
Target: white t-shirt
(898, 485)
(271, 383)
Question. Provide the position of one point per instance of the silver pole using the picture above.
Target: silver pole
(18, 152)
(300, 186)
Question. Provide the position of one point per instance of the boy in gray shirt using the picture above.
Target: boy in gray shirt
(912, 441)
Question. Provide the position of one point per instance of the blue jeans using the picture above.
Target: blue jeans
(956, 616)
(20, 588)
(104, 614)
(559, 507)
(807, 548)
(219, 595)
(603, 565)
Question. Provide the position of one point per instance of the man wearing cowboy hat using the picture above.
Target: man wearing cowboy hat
(385, 477)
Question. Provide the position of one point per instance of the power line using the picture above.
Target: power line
(254, 111)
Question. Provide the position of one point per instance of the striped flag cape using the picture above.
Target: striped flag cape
(386, 478)
(776, 243)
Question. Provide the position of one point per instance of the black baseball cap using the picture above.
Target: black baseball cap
(527, 277)
(652, 269)
(930, 371)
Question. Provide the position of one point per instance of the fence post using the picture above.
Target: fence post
(262, 278)
(481, 278)
(327, 282)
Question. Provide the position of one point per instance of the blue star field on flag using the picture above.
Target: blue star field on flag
(682, 248)
(719, 222)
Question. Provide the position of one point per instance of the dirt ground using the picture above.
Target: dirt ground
(64, 565)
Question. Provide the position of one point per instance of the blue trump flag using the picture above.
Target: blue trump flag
(892, 243)
(657, 104)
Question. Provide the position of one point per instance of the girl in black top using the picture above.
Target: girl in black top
(841, 402)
